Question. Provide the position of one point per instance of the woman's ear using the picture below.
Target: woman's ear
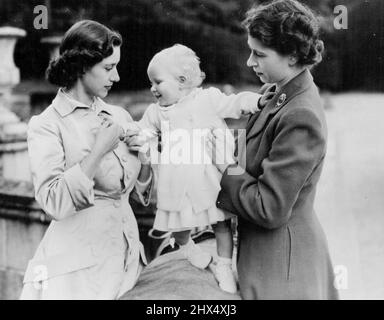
(292, 60)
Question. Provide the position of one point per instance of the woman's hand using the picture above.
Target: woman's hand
(220, 158)
(108, 137)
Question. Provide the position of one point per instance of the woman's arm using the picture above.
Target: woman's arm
(60, 191)
(267, 200)
(107, 139)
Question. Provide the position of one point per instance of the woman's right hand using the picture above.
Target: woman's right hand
(108, 137)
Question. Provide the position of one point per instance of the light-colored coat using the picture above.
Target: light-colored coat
(91, 249)
(283, 252)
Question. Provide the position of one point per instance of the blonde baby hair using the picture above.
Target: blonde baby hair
(185, 60)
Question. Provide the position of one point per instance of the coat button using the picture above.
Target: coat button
(117, 204)
(129, 174)
(94, 251)
(124, 158)
(124, 219)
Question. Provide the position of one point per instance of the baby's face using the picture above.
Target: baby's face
(165, 85)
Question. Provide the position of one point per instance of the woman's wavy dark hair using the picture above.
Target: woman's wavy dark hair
(85, 44)
(287, 27)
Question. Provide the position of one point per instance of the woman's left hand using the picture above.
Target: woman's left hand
(219, 158)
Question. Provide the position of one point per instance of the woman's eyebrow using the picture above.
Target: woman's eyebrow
(257, 51)
(111, 64)
(254, 50)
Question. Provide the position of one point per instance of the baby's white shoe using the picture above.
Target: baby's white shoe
(195, 255)
(224, 275)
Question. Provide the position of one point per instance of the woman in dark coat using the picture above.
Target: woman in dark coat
(283, 252)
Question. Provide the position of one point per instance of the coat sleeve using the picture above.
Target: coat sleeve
(267, 200)
(60, 191)
(233, 105)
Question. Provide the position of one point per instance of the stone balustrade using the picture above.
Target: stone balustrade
(23, 224)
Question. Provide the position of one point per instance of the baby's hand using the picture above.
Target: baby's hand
(132, 127)
(264, 99)
(254, 103)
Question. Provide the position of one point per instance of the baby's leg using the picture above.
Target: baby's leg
(224, 242)
(181, 237)
(224, 238)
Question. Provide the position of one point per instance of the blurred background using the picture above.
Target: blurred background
(351, 81)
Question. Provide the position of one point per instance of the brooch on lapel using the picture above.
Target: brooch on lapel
(281, 99)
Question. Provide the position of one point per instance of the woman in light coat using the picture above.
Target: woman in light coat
(83, 173)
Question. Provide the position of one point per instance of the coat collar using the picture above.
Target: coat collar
(294, 87)
(65, 105)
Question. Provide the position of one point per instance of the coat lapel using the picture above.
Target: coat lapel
(257, 122)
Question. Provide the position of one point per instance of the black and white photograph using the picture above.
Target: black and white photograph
(191, 150)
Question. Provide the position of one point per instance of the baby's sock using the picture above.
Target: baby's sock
(222, 261)
(188, 244)
(225, 275)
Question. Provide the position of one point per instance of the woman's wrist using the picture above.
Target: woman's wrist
(90, 163)
(97, 153)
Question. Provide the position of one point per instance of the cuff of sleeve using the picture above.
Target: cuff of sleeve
(228, 188)
(144, 189)
(80, 187)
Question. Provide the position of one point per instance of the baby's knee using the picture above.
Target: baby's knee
(181, 237)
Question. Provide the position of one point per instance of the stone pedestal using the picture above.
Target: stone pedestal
(53, 44)
(13, 133)
(10, 74)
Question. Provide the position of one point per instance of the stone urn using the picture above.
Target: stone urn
(53, 44)
(13, 133)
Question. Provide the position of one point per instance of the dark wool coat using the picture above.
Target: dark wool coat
(283, 251)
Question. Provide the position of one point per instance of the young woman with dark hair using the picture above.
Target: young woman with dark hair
(83, 173)
(283, 252)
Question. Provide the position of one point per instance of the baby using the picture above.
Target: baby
(187, 191)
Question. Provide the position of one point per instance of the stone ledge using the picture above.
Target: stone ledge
(11, 283)
(17, 201)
